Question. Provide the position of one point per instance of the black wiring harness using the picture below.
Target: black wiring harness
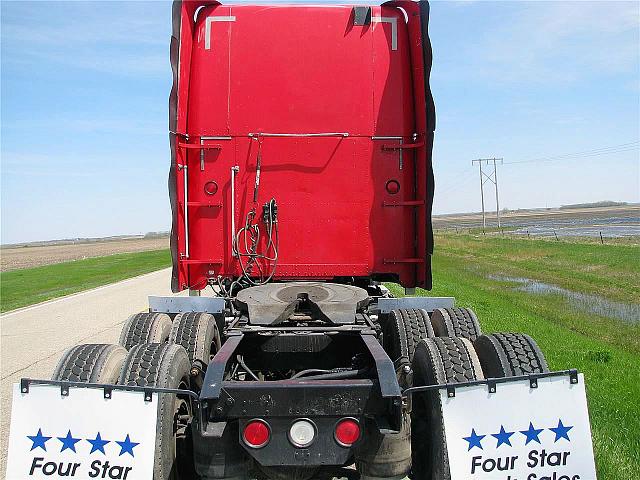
(249, 237)
(257, 268)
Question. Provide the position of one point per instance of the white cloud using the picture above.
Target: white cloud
(550, 42)
(123, 38)
(80, 23)
(83, 122)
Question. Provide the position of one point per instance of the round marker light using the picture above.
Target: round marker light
(392, 187)
(256, 434)
(302, 433)
(347, 432)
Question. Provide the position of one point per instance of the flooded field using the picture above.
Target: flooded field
(610, 222)
(609, 227)
(625, 312)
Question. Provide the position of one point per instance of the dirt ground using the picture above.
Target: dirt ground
(13, 258)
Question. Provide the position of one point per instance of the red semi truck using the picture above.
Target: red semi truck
(321, 112)
(301, 179)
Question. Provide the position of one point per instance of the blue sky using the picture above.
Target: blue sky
(84, 110)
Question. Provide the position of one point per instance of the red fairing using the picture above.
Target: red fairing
(326, 111)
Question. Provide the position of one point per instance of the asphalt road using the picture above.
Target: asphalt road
(33, 338)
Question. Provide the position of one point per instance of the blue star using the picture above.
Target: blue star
(561, 431)
(126, 446)
(503, 437)
(38, 440)
(474, 440)
(68, 442)
(531, 434)
(97, 444)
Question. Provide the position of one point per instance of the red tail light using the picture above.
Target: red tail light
(347, 432)
(256, 433)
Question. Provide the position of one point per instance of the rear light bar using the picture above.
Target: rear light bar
(256, 433)
(302, 432)
(347, 432)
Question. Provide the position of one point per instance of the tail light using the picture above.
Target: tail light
(302, 433)
(256, 433)
(347, 432)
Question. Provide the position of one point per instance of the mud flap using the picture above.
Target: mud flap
(81, 433)
(534, 428)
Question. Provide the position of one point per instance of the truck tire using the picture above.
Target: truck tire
(436, 361)
(509, 355)
(145, 327)
(198, 334)
(90, 363)
(456, 322)
(166, 366)
(405, 327)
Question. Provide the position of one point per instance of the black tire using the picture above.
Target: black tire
(91, 363)
(436, 361)
(404, 328)
(145, 327)
(198, 334)
(509, 355)
(166, 366)
(456, 322)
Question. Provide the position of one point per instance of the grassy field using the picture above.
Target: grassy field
(607, 351)
(469, 267)
(19, 288)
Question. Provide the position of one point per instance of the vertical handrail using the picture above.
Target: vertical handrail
(234, 170)
(185, 208)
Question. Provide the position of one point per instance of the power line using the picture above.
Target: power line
(464, 179)
(598, 151)
(459, 182)
(623, 147)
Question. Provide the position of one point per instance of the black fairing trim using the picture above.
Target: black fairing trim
(174, 55)
(431, 126)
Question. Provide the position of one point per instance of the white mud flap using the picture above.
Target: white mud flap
(525, 430)
(82, 434)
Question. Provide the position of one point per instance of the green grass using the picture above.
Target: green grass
(20, 288)
(605, 350)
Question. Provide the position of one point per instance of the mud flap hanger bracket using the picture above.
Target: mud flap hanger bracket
(492, 383)
(387, 378)
(108, 389)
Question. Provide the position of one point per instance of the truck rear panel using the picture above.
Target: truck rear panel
(324, 109)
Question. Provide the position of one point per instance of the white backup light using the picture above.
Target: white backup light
(302, 433)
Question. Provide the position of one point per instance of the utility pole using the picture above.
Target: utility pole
(491, 177)
(484, 219)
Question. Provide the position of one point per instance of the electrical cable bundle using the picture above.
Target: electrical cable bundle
(250, 260)
(249, 237)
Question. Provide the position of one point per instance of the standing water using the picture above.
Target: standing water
(629, 313)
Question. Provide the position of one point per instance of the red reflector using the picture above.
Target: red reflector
(347, 432)
(256, 434)
(392, 186)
